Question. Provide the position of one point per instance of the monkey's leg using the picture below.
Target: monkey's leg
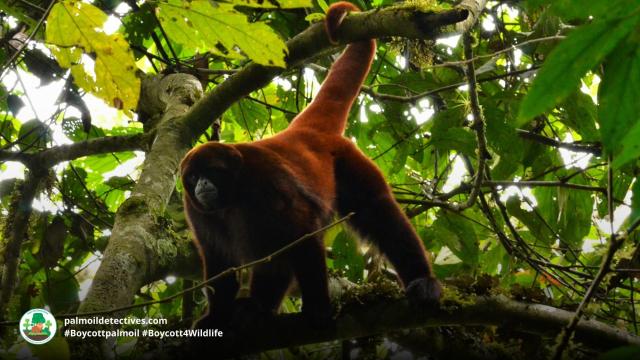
(221, 299)
(269, 284)
(362, 189)
(310, 269)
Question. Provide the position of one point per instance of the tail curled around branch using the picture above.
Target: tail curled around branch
(329, 110)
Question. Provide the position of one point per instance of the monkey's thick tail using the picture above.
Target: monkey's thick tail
(329, 110)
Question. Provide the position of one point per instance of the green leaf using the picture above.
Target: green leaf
(34, 135)
(458, 139)
(250, 116)
(8, 128)
(75, 28)
(630, 147)
(347, 256)
(582, 50)
(619, 109)
(618, 95)
(622, 179)
(314, 17)
(635, 201)
(220, 29)
(459, 235)
(581, 115)
(274, 4)
(323, 5)
(575, 207)
(531, 220)
(504, 140)
(61, 291)
(569, 10)
(402, 151)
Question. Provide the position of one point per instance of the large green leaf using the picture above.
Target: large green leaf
(459, 235)
(619, 109)
(459, 139)
(61, 291)
(75, 28)
(635, 202)
(569, 9)
(34, 135)
(220, 29)
(581, 115)
(504, 140)
(582, 50)
(575, 207)
(250, 116)
(533, 220)
(622, 179)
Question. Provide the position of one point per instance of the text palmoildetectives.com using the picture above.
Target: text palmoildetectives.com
(144, 332)
(99, 320)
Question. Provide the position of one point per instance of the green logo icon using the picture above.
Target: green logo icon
(37, 326)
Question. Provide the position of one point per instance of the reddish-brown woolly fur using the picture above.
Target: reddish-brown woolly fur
(275, 190)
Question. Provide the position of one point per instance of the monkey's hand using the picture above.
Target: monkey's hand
(424, 291)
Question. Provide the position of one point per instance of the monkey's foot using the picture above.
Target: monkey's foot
(424, 291)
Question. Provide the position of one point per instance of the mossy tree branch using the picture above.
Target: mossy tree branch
(380, 316)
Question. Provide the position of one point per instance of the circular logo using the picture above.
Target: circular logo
(37, 326)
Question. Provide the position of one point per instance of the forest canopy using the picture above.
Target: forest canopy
(508, 130)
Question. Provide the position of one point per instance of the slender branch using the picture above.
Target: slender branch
(595, 149)
(15, 55)
(536, 183)
(478, 124)
(490, 55)
(210, 280)
(413, 98)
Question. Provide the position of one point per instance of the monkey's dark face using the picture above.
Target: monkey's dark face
(209, 175)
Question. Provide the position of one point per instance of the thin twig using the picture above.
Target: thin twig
(413, 98)
(15, 55)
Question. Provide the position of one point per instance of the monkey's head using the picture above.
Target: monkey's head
(209, 174)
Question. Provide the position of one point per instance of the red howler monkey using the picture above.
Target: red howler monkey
(244, 201)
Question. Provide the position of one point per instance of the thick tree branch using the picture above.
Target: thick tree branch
(381, 316)
(403, 21)
(107, 144)
(14, 234)
(139, 249)
(54, 155)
